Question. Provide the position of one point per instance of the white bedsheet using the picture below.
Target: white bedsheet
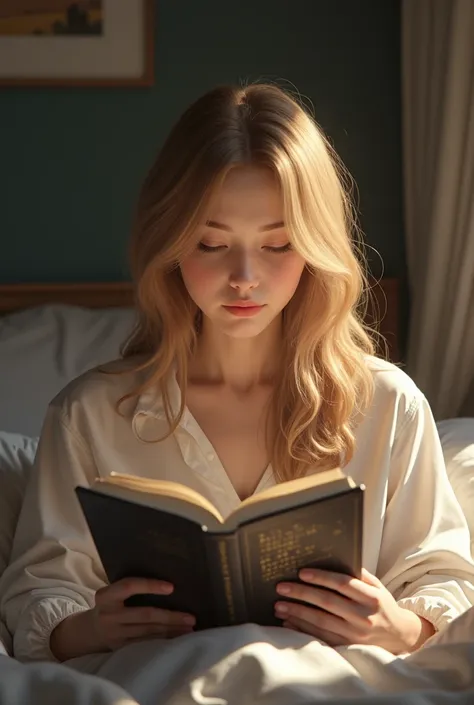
(54, 684)
(272, 666)
(252, 665)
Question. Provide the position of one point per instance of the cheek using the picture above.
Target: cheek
(197, 278)
(287, 274)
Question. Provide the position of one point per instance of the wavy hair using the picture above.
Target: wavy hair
(325, 383)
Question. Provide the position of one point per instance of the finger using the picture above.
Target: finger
(351, 587)
(131, 632)
(323, 635)
(370, 579)
(318, 618)
(118, 592)
(171, 633)
(153, 615)
(327, 600)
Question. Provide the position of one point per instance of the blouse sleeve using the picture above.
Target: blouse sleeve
(54, 570)
(425, 559)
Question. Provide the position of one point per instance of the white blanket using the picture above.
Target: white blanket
(252, 665)
(53, 684)
(275, 666)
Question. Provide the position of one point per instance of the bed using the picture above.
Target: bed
(50, 333)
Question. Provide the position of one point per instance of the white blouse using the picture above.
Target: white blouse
(416, 539)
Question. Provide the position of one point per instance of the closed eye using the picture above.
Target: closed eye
(210, 248)
(277, 250)
(216, 248)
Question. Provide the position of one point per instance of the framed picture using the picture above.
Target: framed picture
(76, 42)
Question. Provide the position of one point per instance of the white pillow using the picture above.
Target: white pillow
(44, 348)
(457, 439)
(17, 454)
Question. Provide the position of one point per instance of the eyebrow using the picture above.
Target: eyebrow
(263, 229)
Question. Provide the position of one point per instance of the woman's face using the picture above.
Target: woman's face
(243, 256)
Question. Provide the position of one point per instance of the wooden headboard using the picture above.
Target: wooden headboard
(383, 307)
(91, 295)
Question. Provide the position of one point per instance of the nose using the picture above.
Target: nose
(243, 275)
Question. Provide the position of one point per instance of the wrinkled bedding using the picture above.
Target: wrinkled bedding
(275, 666)
(251, 664)
(53, 684)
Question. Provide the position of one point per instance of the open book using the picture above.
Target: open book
(224, 571)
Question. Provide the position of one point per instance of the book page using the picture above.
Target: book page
(286, 495)
(301, 483)
(186, 502)
(156, 489)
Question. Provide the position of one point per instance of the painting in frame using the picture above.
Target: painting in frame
(76, 42)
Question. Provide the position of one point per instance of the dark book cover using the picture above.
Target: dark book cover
(224, 578)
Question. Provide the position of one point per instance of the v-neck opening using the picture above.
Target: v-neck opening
(190, 420)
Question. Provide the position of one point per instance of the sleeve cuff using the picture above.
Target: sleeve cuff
(435, 610)
(32, 637)
(5, 640)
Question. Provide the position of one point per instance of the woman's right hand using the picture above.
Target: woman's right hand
(110, 624)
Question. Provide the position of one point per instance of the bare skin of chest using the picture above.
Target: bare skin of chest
(235, 426)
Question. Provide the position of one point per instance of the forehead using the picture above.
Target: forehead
(248, 192)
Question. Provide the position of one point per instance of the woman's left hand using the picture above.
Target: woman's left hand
(352, 611)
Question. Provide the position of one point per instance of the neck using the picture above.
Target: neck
(238, 363)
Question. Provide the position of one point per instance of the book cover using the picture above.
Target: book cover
(226, 572)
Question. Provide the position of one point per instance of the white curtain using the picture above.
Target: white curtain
(438, 136)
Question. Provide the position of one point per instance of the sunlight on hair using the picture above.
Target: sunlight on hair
(325, 382)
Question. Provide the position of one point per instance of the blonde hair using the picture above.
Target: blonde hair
(325, 381)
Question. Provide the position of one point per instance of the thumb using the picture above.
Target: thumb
(370, 579)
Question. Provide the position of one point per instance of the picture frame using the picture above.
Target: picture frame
(69, 43)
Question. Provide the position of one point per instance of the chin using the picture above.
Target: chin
(244, 328)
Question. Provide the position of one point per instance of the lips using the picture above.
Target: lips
(243, 304)
(244, 309)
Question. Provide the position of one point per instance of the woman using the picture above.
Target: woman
(249, 366)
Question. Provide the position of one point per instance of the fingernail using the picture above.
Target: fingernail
(167, 588)
(282, 608)
(188, 619)
(283, 589)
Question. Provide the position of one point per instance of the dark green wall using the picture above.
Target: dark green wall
(71, 160)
